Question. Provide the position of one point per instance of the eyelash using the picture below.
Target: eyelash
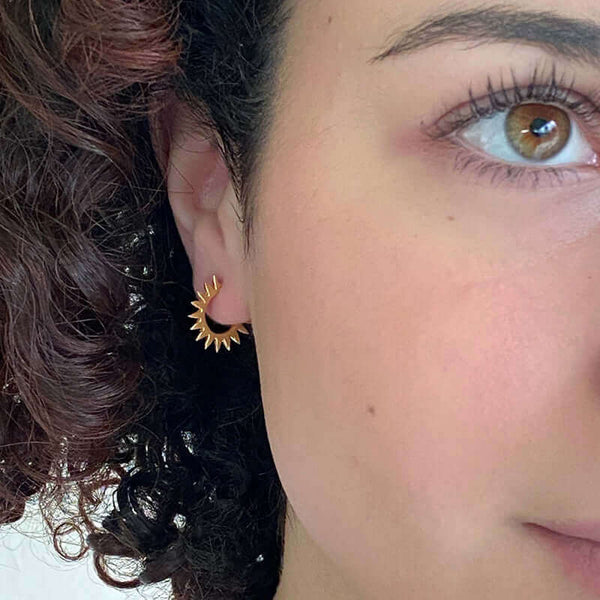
(549, 90)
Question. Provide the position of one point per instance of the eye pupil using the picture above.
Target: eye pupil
(538, 131)
(540, 127)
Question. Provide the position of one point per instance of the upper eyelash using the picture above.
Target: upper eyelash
(552, 90)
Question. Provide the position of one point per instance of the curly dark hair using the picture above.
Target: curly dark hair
(102, 385)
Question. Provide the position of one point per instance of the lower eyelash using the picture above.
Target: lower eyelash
(498, 173)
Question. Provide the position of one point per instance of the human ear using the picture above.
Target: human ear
(205, 210)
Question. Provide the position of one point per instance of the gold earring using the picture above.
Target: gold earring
(201, 324)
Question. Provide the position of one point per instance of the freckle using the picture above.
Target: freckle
(371, 409)
(329, 20)
(450, 218)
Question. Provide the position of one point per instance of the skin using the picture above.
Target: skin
(428, 342)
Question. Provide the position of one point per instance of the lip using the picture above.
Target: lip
(579, 556)
(589, 530)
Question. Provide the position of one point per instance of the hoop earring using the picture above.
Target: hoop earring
(224, 338)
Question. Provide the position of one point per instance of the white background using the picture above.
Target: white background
(31, 569)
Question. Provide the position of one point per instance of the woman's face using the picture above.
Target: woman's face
(426, 310)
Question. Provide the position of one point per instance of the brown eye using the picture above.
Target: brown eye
(538, 131)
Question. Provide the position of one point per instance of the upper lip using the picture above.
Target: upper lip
(588, 530)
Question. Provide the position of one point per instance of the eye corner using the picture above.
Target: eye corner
(436, 130)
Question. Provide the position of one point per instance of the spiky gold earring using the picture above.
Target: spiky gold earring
(201, 324)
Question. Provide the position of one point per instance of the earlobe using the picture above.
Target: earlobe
(218, 250)
(202, 201)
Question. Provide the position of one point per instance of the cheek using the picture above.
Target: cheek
(401, 386)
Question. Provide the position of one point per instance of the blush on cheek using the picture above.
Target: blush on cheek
(410, 149)
(412, 141)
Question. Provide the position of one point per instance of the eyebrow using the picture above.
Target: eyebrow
(572, 38)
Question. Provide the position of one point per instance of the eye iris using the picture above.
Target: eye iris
(538, 131)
